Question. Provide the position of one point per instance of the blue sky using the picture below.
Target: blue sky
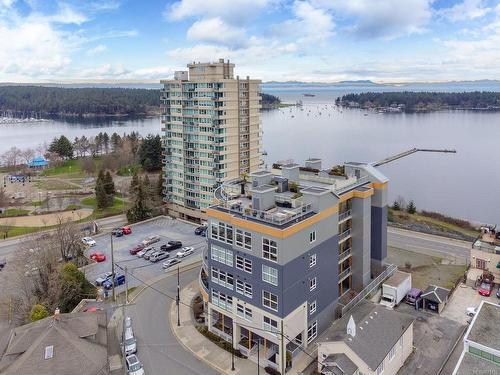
(306, 40)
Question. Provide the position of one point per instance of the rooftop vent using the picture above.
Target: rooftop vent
(49, 352)
(351, 327)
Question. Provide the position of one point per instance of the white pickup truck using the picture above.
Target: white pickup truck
(395, 288)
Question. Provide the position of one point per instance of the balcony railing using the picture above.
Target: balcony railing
(203, 280)
(345, 216)
(344, 274)
(345, 235)
(344, 255)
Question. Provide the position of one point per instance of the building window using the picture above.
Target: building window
(222, 300)
(312, 307)
(222, 232)
(392, 353)
(243, 239)
(481, 264)
(312, 260)
(269, 275)
(221, 255)
(243, 312)
(269, 249)
(270, 300)
(380, 368)
(244, 288)
(222, 278)
(312, 236)
(269, 325)
(243, 264)
(312, 284)
(312, 331)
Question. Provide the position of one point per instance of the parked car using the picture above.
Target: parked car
(185, 251)
(3, 262)
(136, 249)
(126, 230)
(134, 366)
(159, 255)
(127, 322)
(88, 241)
(150, 240)
(171, 246)
(174, 243)
(141, 253)
(485, 289)
(171, 262)
(498, 292)
(412, 296)
(117, 232)
(101, 279)
(98, 257)
(129, 342)
(198, 231)
(149, 251)
(119, 280)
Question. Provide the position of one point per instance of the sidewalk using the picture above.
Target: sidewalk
(216, 357)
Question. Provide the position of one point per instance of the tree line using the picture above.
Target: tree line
(425, 100)
(40, 101)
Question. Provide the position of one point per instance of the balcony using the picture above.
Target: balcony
(203, 280)
(345, 235)
(344, 255)
(344, 216)
(344, 274)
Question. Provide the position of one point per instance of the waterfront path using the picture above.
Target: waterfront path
(46, 219)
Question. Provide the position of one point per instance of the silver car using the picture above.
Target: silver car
(134, 366)
(159, 255)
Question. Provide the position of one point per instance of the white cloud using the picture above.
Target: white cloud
(215, 30)
(382, 18)
(466, 10)
(229, 11)
(67, 15)
(97, 49)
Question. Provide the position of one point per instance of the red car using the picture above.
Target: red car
(98, 257)
(485, 289)
(136, 249)
(127, 230)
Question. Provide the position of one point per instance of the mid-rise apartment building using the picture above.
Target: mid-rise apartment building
(211, 126)
(284, 246)
(485, 255)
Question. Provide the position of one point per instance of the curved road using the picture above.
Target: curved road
(158, 348)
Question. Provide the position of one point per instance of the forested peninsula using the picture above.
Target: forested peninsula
(409, 101)
(48, 102)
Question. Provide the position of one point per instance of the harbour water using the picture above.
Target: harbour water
(465, 184)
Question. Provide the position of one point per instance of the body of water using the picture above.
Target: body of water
(465, 184)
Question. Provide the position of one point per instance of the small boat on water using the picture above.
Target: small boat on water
(309, 95)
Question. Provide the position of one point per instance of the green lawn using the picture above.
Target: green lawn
(66, 167)
(72, 207)
(116, 209)
(11, 212)
(51, 184)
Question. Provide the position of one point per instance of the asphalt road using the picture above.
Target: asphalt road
(158, 349)
(426, 243)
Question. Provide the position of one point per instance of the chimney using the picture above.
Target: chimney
(351, 327)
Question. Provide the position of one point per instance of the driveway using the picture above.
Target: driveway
(138, 268)
(158, 349)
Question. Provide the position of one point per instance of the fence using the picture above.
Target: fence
(389, 271)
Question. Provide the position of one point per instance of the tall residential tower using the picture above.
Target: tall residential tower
(212, 133)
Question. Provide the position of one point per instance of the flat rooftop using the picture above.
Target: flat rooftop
(396, 279)
(472, 364)
(485, 329)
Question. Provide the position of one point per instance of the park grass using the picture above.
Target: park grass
(12, 212)
(124, 171)
(70, 207)
(402, 217)
(50, 184)
(118, 207)
(67, 167)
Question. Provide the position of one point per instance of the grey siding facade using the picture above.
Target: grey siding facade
(379, 233)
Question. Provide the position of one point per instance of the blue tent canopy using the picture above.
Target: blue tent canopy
(38, 162)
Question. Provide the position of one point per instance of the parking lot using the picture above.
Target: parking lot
(138, 268)
(433, 338)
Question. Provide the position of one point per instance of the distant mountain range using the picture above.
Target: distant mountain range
(478, 85)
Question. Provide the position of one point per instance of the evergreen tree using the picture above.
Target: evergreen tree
(146, 185)
(105, 141)
(150, 153)
(396, 206)
(134, 184)
(115, 141)
(109, 185)
(102, 197)
(139, 210)
(62, 146)
(411, 208)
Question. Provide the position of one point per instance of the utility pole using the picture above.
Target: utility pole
(112, 268)
(232, 350)
(258, 357)
(178, 299)
(126, 285)
(283, 349)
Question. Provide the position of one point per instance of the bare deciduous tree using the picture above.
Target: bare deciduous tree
(27, 155)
